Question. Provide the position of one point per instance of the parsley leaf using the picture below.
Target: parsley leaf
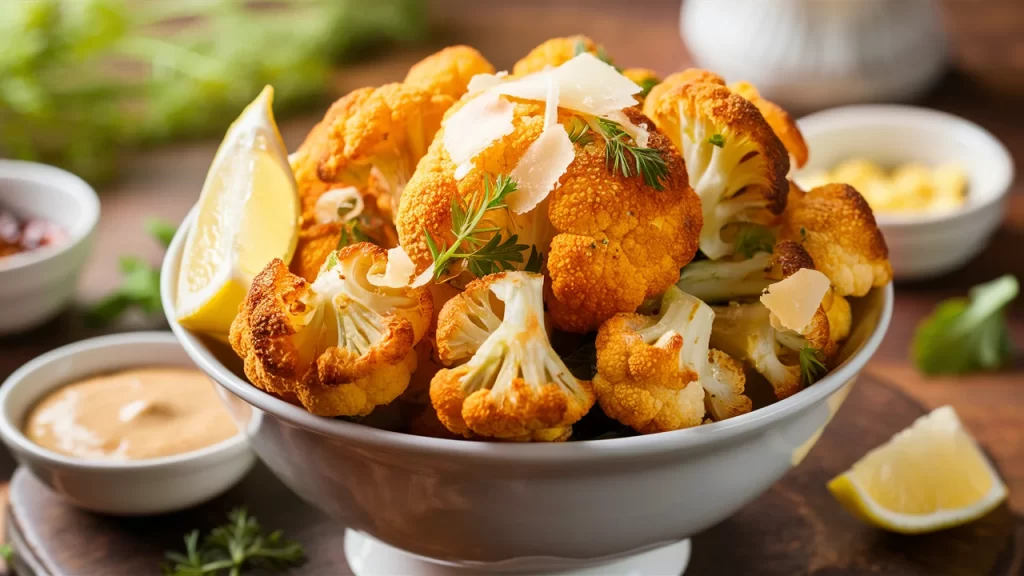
(647, 84)
(967, 334)
(717, 140)
(751, 239)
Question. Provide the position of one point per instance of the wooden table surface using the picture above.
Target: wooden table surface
(986, 85)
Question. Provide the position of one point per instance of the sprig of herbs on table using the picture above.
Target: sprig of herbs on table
(82, 79)
(140, 282)
(970, 334)
(481, 247)
(231, 549)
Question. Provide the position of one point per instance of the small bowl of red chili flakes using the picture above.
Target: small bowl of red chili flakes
(47, 220)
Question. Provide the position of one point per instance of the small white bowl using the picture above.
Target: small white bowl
(929, 244)
(136, 487)
(36, 285)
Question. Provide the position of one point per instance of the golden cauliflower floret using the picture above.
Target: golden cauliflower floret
(386, 129)
(448, 71)
(781, 122)
(341, 345)
(657, 373)
(734, 160)
(836, 226)
(676, 79)
(512, 386)
(553, 53)
(609, 241)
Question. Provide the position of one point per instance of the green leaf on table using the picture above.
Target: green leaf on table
(968, 334)
(232, 548)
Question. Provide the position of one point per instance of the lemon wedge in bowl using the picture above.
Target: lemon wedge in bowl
(929, 477)
(248, 214)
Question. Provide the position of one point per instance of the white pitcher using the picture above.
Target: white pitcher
(811, 54)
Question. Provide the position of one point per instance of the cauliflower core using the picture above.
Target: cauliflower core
(512, 386)
(340, 345)
(735, 162)
(657, 373)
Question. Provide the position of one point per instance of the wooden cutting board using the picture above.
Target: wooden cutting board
(795, 528)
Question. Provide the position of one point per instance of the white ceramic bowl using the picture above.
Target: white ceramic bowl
(920, 245)
(483, 506)
(124, 488)
(36, 285)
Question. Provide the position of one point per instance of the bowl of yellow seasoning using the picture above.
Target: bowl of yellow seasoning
(936, 183)
(124, 424)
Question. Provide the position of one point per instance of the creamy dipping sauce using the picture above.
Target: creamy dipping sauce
(131, 415)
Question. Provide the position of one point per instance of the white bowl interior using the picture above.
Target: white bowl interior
(33, 190)
(894, 135)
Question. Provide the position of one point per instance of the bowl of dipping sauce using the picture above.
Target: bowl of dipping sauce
(47, 219)
(937, 183)
(124, 424)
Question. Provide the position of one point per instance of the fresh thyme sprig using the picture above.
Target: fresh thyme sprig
(622, 155)
(228, 549)
(811, 366)
(483, 255)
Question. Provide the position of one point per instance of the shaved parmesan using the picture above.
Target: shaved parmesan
(794, 301)
(585, 84)
(424, 277)
(482, 82)
(551, 103)
(538, 171)
(329, 205)
(476, 125)
(398, 272)
(639, 134)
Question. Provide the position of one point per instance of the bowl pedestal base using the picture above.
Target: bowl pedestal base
(368, 556)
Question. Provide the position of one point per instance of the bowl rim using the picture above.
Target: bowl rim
(66, 182)
(641, 446)
(843, 118)
(12, 434)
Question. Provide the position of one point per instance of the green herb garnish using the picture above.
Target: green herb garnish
(751, 239)
(812, 368)
(483, 255)
(967, 334)
(229, 549)
(535, 261)
(140, 282)
(579, 132)
(717, 140)
(622, 155)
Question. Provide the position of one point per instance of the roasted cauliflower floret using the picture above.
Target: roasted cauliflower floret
(676, 79)
(386, 129)
(657, 373)
(837, 228)
(609, 241)
(512, 385)
(449, 71)
(734, 160)
(555, 52)
(780, 121)
(341, 345)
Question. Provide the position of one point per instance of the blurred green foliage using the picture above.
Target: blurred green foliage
(82, 79)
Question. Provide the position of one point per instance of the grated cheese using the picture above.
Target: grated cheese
(398, 272)
(327, 205)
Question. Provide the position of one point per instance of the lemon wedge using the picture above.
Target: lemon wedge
(929, 477)
(248, 214)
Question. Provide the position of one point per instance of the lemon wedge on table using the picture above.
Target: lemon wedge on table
(248, 214)
(929, 477)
